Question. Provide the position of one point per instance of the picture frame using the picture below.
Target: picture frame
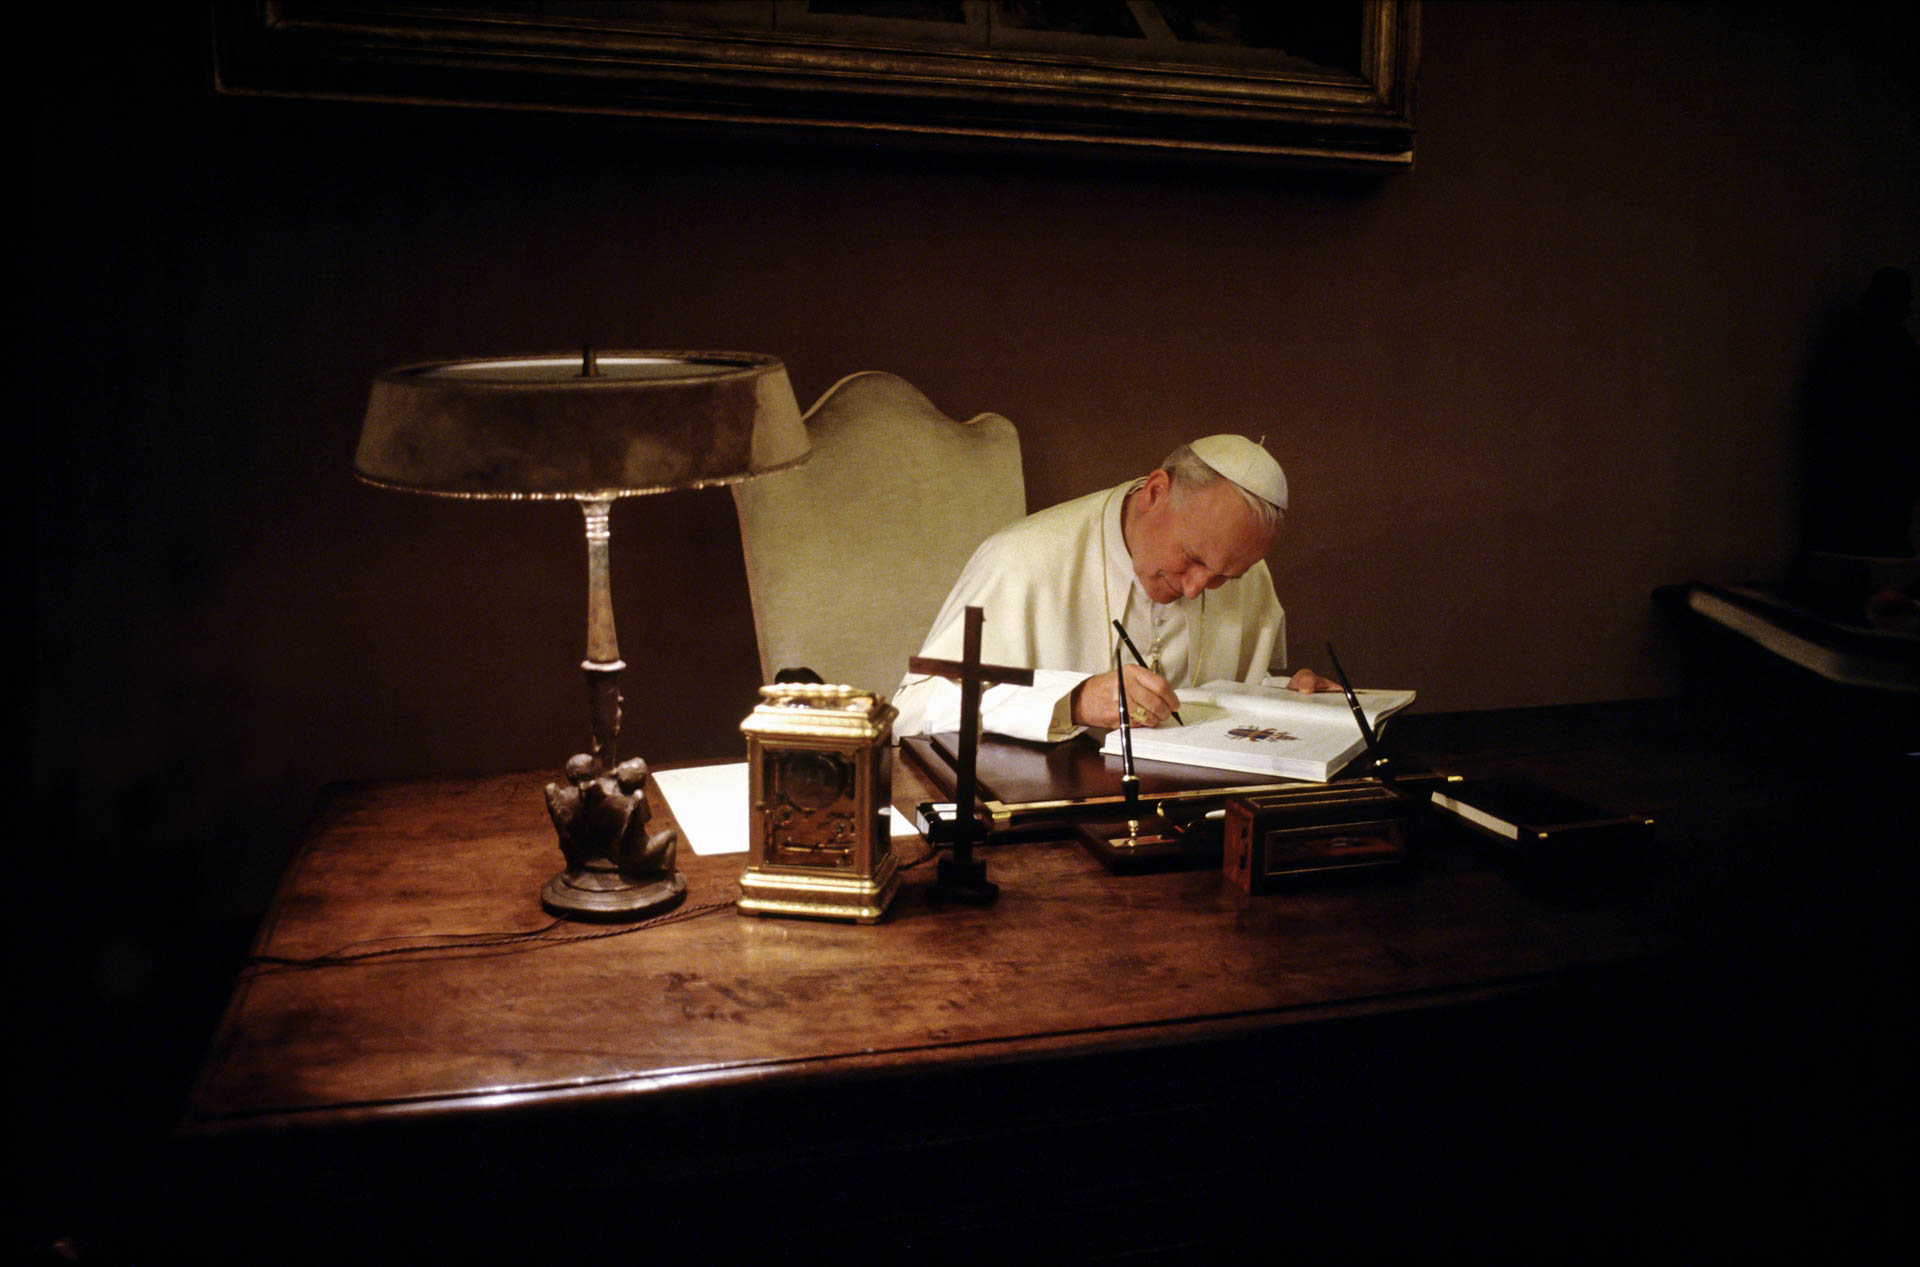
(1330, 82)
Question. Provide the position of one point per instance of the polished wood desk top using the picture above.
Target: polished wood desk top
(1070, 960)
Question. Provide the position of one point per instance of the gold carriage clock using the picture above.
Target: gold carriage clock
(820, 781)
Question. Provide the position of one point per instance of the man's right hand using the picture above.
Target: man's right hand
(1096, 701)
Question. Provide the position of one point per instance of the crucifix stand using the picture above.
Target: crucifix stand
(961, 878)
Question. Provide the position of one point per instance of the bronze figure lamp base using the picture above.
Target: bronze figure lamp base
(616, 869)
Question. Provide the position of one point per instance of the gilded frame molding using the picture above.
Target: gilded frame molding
(777, 69)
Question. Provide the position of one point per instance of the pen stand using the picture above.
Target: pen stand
(1156, 841)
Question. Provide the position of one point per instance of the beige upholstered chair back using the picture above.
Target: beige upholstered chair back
(850, 555)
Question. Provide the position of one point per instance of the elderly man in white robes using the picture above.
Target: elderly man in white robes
(1178, 558)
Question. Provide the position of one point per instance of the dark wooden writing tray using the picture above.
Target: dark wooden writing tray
(1027, 788)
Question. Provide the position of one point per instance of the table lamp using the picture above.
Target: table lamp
(587, 428)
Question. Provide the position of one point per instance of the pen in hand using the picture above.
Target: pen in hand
(1139, 659)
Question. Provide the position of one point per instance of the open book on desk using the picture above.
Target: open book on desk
(1264, 729)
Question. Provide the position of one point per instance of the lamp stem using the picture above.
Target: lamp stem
(603, 662)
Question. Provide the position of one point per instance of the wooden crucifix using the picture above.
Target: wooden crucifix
(961, 878)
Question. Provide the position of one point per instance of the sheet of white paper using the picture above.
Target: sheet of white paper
(710, 801)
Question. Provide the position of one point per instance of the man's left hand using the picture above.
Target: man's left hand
(1306, 681)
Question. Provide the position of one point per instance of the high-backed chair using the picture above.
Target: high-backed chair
(850, 555)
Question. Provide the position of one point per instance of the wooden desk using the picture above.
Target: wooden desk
(1093, 1065)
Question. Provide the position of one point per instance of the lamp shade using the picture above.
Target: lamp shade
(587, 426)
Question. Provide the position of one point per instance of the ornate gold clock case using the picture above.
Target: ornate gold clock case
(820, 775)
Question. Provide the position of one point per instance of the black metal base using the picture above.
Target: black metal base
(964, 883)
(607, 897)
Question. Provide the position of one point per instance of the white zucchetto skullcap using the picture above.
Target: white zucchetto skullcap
(1246, 464)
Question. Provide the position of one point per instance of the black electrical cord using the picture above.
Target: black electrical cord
(457, 945)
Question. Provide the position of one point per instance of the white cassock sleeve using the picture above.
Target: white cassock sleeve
(1042, 712)
(1013, 598)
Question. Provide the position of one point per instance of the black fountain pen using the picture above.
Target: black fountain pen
(1141, 660)
(1129, 781)
(1359, 715)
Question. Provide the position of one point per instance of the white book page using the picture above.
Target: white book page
(1257, 744)
(1249, 699)
(1263, 729)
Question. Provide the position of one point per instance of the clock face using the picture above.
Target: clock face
(813, 780)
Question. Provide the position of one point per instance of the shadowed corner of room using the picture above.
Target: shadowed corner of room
(1859, 451)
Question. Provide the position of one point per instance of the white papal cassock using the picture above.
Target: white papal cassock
(1050, 588)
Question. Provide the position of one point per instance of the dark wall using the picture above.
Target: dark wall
(1552, 367)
